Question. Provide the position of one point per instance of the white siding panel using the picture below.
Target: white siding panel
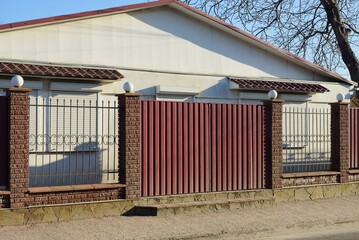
(159, 39)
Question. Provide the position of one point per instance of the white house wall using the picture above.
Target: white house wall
(160, 46)
(160, 39)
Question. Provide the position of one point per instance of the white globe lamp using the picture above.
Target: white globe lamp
(340, 97)
(128, 87)
(272, 94)
(17, 81)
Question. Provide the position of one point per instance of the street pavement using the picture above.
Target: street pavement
(336, 218)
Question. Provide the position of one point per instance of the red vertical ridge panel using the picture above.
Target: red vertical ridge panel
(245, 147)
(168, 148)
(240, 147)
(201, 124)
(4, 141)
(219, 147)
(260, 147)
(350, 138)
(214, 140)
(353, 131)
(196, 147)
(162, 130)
(191, 148)
(249, 145)
(355, 140)
(354, 143)
(185, 148)
(255, 147)
(157, 148)
(235, 147)
(356, 135)
(224, 147)
(207, 148)
(351, 128)
(144, 122)
(229, 152)
(151, 150)
(174, 148)
(180, 148)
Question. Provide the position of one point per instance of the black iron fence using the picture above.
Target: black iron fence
(73, 141)
(306, 139)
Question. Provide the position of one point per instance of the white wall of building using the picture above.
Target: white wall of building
(161, 47)
(160, 39)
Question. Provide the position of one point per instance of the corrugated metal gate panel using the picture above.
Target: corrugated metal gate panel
(201, 147)
(4, 141)
(353, 137)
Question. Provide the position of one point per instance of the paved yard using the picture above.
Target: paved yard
(334, 218)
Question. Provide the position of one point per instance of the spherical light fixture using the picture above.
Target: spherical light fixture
(272, 94)
(17, 81)
(340, 97)
(128, 87)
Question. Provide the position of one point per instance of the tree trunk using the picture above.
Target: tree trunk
(341, 33)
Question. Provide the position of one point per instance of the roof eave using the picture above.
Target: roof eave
(64, 78)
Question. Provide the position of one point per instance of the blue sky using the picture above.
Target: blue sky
(21, 10)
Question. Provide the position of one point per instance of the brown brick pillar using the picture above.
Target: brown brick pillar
(340, 139)
(273, 143)
(130, 144)
(19, 114)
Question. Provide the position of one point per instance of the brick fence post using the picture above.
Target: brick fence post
(19, 114)
(340, 139)
(130, 144)
(273, 143)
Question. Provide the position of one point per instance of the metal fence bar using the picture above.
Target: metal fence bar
(69, 144)
(306, 139)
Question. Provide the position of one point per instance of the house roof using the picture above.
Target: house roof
(279, 86)
(191, 11)
(58, 71)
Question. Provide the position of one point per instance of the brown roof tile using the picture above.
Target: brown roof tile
(279, 86)
(58, 71)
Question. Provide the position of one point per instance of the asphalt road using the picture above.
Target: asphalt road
(321, 219)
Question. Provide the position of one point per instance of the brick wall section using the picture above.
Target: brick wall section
(73, 197)
(312, 180)
(273, 143)
(130, 144)
(19, 105)
(353, 178)
(340, 139)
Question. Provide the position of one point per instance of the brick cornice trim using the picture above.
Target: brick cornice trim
(15, 89)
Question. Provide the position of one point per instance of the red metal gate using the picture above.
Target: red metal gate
(4, 140)
(201, 147)
(353, 138)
